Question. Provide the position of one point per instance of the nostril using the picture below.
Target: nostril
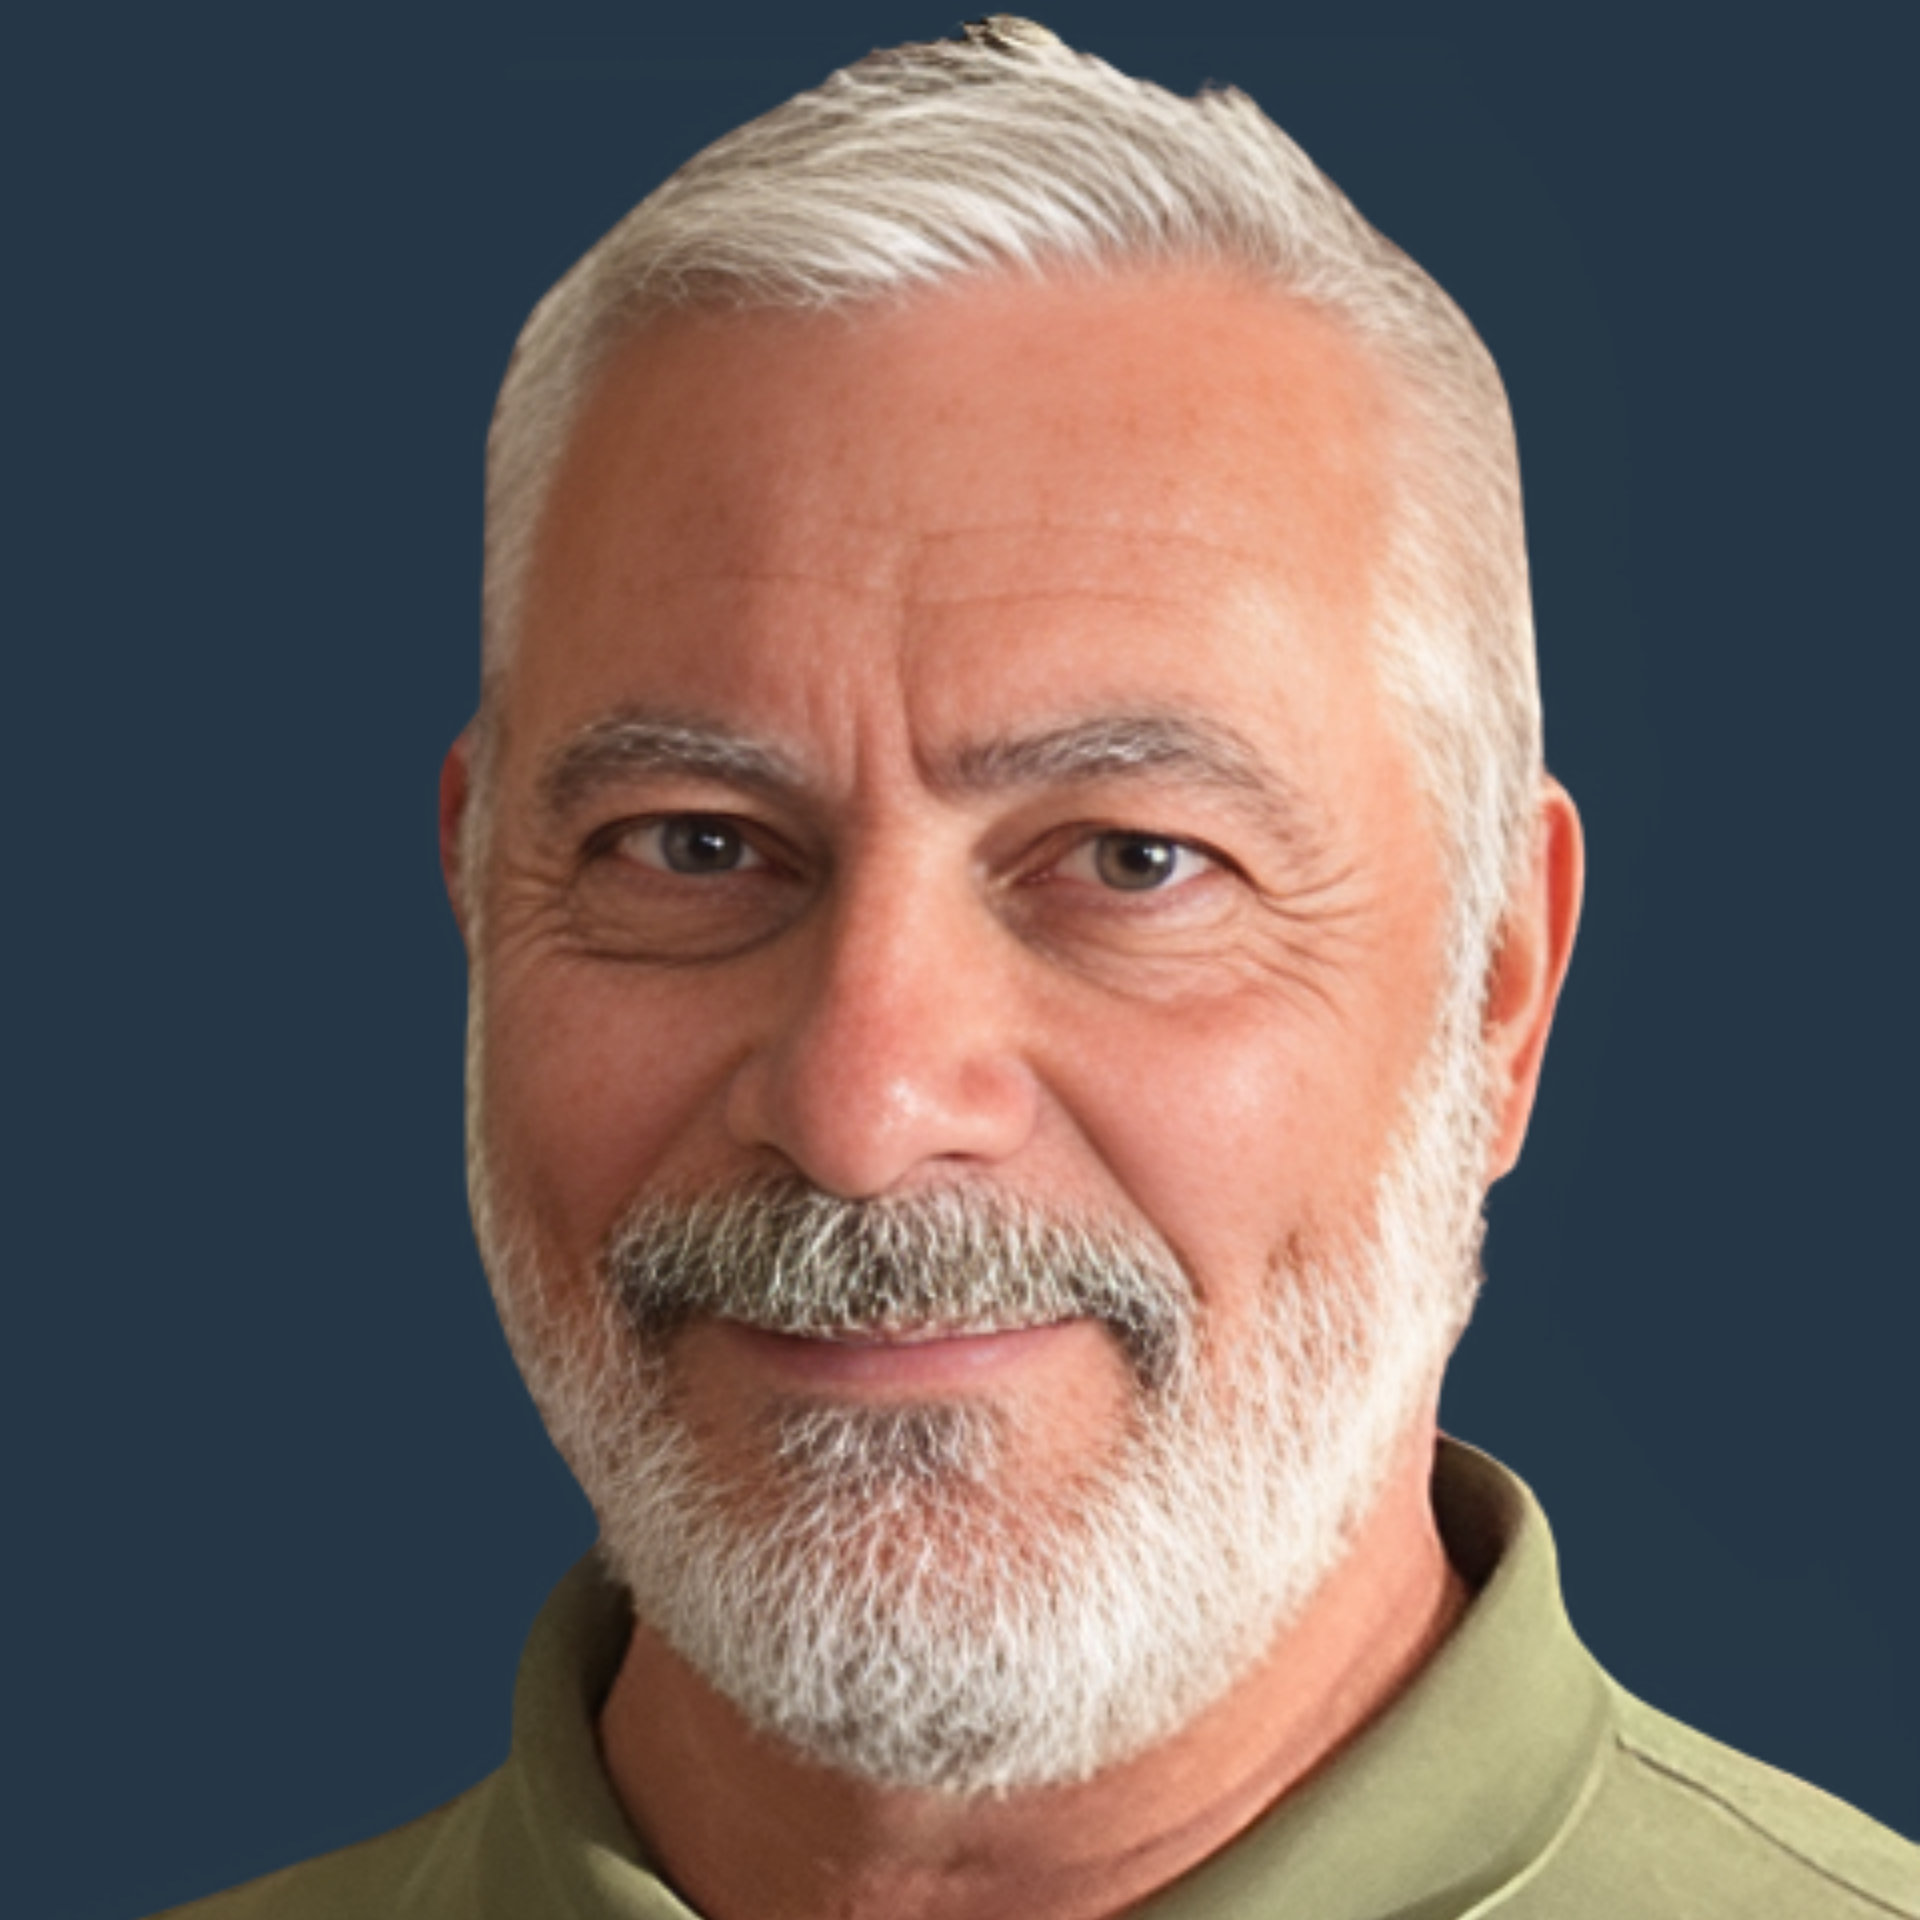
(858, 1104)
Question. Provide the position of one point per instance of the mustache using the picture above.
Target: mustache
(783, 1256)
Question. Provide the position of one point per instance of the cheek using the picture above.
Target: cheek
(592, 1089)
(1232, 1129)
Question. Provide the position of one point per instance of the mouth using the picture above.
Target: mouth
(918, 1333)
(781, 1268)
(918, 1359)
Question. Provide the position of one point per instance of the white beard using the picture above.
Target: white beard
(889, 1595)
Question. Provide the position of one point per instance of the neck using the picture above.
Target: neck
(746, 1830)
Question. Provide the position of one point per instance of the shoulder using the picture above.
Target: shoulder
(1676, 1823)
(404, 1872)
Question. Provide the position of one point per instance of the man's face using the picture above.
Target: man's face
(944, 754)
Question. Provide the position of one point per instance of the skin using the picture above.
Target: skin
(872, 547)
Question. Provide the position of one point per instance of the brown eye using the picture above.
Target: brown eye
(690, 843)
(1124, 860)
(1135, 862)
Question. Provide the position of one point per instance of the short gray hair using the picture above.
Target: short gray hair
(1007, 153)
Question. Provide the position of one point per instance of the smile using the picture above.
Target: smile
(918, 1359)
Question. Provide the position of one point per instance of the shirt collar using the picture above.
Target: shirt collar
(1451, 1793)
(1465, 1780)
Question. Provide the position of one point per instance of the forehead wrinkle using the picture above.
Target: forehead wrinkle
(637, 740)
(1045, 596)
(1068, 559)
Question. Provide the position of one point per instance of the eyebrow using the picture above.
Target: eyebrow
(1101, 748)
(1124, 746)
(625, 744)
(1153, 742)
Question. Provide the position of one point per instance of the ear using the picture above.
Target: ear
(1528, 969)
(456, 791)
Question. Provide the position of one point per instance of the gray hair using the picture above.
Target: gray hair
(1008, 153)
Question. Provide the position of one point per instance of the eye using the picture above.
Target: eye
(1129, 862)
(691, 843)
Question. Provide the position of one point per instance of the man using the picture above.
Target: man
(1015, 912)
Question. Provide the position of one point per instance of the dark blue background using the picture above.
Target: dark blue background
(280, 1514)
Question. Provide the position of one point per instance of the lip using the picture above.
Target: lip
(909, 1359)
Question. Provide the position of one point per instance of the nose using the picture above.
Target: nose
(890, 1045)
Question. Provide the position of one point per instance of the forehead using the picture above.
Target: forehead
(1007, 493)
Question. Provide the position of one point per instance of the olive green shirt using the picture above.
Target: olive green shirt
(1511, 1778)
